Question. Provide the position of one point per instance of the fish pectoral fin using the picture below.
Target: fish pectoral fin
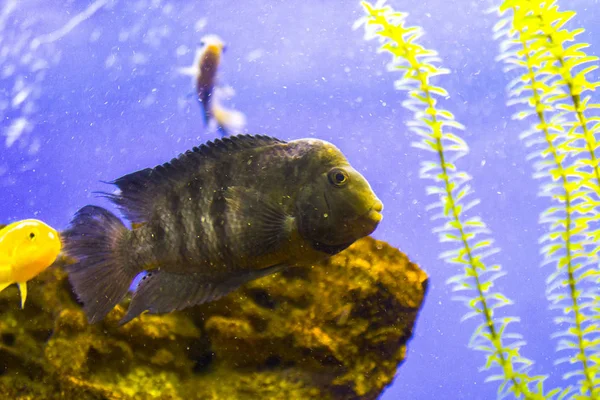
(163, 292)
(258, 224)
(23, 290)
(192, 70)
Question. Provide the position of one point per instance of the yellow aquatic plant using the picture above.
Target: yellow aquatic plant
(552, 83)
(553, 88)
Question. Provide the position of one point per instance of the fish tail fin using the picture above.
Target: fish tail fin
(227, 121)
(101, 276)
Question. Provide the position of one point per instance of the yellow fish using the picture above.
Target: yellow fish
(26, 248)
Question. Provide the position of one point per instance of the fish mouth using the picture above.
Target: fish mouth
(374, 213)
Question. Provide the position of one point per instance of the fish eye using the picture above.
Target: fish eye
(338, 177)
(31, 235)
(202, 43)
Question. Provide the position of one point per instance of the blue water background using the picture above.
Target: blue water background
(105, 100)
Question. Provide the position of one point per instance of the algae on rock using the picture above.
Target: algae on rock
(332, 331)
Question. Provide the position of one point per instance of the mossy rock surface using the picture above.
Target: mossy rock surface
(337, 330)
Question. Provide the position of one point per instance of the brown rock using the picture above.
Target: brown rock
(337, 330)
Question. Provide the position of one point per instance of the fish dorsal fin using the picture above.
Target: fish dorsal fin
(138, 188)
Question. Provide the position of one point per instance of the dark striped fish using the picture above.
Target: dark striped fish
(220, 215)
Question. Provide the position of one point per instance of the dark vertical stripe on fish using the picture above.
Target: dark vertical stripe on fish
(136, 249)
(197, 189)
(188, 212)
(167, 215)
(179, 233)
(210, 240)
(161, 227)
(158, 238)
(217, 209)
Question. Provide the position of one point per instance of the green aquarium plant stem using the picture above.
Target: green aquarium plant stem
(472, 238)
(535, 42)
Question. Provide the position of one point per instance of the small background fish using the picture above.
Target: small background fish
(203, 71)
(218, 216)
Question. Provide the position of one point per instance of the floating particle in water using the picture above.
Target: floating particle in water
(35, 146)
(21, 96)
(200, 24)
(139, 58)
(15, 130)
(39, 64)
(123, 36)
(167, 9)
(110, 60)
(255, 55)
(95, 35)
(149, 100)
(182, 50)
(7, 70)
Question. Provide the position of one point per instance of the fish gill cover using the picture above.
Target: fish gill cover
(552, 87)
